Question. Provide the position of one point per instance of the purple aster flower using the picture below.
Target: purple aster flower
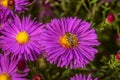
(69, 42)
(8, 69)
(21, 38)
(17, 5)
(80, 77)
(5, 15)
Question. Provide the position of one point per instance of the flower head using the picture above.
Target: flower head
(8, 69)
(69, 42)
(17, 5)
(82, 77)
(110, 18)
(21, 38)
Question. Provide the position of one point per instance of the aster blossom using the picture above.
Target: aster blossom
(8, 69)
(21, 38)
(69, 42)
(82, 77)
(17, 5)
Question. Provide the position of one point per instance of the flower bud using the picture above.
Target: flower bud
(22, 65)
(117, 56)
(37, 77)
(117, 39)
(110, 18)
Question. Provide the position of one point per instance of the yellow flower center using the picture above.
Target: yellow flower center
(4, 3)
(7, 3)
(22, 37)
(4, 76)
(68, 40)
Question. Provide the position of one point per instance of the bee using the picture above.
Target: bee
(70, 38)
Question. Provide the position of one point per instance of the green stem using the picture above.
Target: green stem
(85, 6)
(93, 12)
(77, 8)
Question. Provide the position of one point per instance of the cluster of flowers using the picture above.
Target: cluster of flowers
(67, 42)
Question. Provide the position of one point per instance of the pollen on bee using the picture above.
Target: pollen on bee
(68, 40)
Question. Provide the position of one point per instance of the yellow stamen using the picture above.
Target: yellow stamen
(4, 3)
(68, 40)
(4, 76)
(22, 37)
(8, 3)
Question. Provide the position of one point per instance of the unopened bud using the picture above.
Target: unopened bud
(37, 77)
(110, 18)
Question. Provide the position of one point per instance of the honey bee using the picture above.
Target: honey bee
(70, 39)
